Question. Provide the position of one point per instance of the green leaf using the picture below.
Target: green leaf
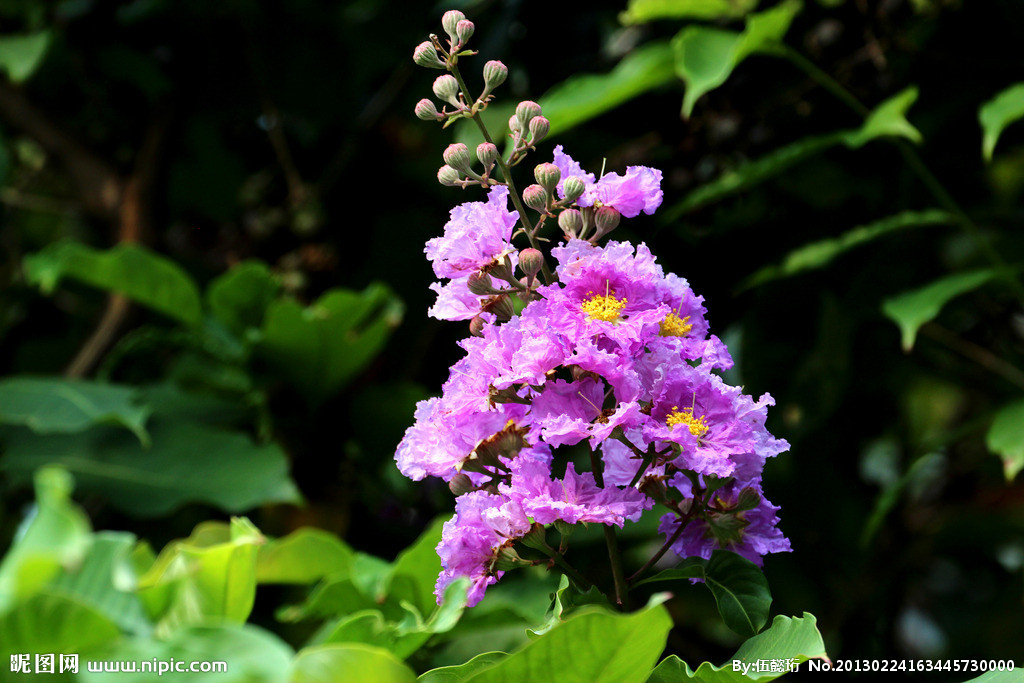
(642, 11)
(129, 269)
(252, 655)
(887, 119)
(1011, 676)
(581, 98)
(416, 569)
(913, 309)
(567, 600)
(706, 57)
(787, 639)
(321, 348)
(66, 406)
(303, 556)
(738, 585)
(50, 621)
(599, 645)
(212, 575)
(819, 254)
(240, 297)
(187, 462)
(354, 662)
(462, 672)
(56, 535)
(21, 55)
(996, 114)
(1005, 438)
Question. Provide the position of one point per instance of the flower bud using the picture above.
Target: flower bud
(476, 326)
(464, 31)
(495, 74)
(427, 111)
(536, 197)
(514, 126)
(607, 219)
(507, 559)
(573, 188)
(564, 528)
(447, 88)
(531, 261)
(748, 499)
(501, 307)
(450, 23)
(460, 484)
(480, 284)
(547, 175)
(426, 56)
(526, 111)
(539, 127)
(457, 156)
(571, 222)
(446, 175)
(536, 538)
(487, 153)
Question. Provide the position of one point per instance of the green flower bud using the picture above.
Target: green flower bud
(748, 499)
(539, 127)
(464, 31)
(480, 284)
(457, 156)
(607, 219)
(571, 222)
(573, 188)
(501, 307)
(487, 153)
(450, 23)
(460, 484)
(446, 175)
(531, 261)
(426, 56)
(536, 538)
(506, 559)
(427, 111)
(536, 197)
(548, 176)
(495, 74)
(476, 326)
(447, 88)
(526, 111)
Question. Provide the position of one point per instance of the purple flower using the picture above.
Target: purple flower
(478, 235)
(639, 190)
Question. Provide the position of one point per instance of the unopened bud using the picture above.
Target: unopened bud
(450, 23)
(748, 499)
(607, 219)
(464, 31)
(460, 484)
(446, 175)
(548, 176)
(427, 111)
(495, 74)
(573, 188)
(526, 111)
(426, 56)
(487, 153)
(536, 538)
(531, 261)
(507, 559)
(447, 88)
(457, 156)
(501, 307)
(539, 127)
(514, 126)
(476, 326)
(536, 197)
(480, 284)
(571, 222)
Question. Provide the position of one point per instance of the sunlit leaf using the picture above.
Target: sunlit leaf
(462, 672)
(1005, 438)
(416, 569)
(913, 309)
(583, 97)
(642, 11)
(303, 556)
(21, 55)
(49, 405)
(887, 119)
(353, 662)
(129, 269)
(51, 621)
(998, 113)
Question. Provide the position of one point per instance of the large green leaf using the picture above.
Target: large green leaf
(594, 646)
(887, 119)
(416, 569)
(322, 347)
(786, 640)
(820, 254)
(642, 11)
(581, 98)
(129, 269)
(1005, 438)
(21, 55)
(913, 309)
(50, 405)
(187, 462)
(240, 297)
(705, 57)
(738, 585)
(51, 621)
(999, 112)
(461, 672)
(303, 556)
(56, 535)
(353, 662)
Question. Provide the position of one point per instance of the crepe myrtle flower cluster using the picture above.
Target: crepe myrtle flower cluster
(607, 356)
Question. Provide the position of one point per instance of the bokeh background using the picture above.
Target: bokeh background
(213, 133)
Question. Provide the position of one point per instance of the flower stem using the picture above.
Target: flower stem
(571, 572)
(614, 556)
(664, 549)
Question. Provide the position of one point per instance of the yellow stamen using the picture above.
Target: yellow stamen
(698, 426)
(603, 307)
(674, 326)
